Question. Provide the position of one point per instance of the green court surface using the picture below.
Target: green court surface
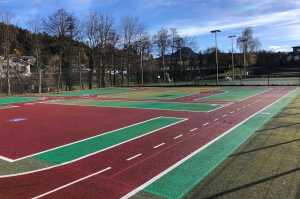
(235, 94)
(98, 143)
(10, 100)
(181, 179)
(151, 94)
(193, 107)
(89, 92)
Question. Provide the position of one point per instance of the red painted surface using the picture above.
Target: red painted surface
(124, 176)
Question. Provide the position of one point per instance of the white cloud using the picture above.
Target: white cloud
(151, 4)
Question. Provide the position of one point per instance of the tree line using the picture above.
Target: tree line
(94, 51)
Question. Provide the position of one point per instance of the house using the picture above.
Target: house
(17, 64)
(292, 56)
(296, 53)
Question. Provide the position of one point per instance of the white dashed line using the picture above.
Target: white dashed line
(177, 137)
(158, 145)
(134, 157)
(232, 112)
(238, 109)
(224, 115)
(193, 129)
(216, 119)
(205, 124)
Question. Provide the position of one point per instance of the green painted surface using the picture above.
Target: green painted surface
(150, 94)
(77, 150)
(184, 177)
(160, 105)
(144, 105)
(235, 94)
(89, 92)
(10, 100)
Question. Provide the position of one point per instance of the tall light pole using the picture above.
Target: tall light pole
(232, 60)
(215, 31)
(244, 40)
(163, 51)
(180, 64)
(141, 49)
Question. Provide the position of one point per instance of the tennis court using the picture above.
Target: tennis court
(127, 142)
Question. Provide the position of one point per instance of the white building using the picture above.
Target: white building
(17, 65)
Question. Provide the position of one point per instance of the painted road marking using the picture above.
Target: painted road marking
(158, 145)
(177, 137)
(216, 119)
(205, 124)
(128, 159)
(238, 109)
(232, 112)
(225, 115)
(193, 129)
(71, 183)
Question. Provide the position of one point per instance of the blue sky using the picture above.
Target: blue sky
(275, 22)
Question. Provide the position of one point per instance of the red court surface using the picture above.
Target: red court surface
(111, 173)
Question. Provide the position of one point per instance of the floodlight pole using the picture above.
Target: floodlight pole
(180, 64)
(232, 55)
(215, 31)
(164, 62)
(141, 47)
(244, 40)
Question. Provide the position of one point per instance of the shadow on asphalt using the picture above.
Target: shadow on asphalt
(255, 183)
(262, 148)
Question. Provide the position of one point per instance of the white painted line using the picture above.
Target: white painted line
(238, 109)
(193, 129)
(177, 137)
(158, 145)
(6, 159)
(232, 112)
(244, 106)
(134, 157)
(205, 124)
(216, 119)
(71, 183)
(224, 115)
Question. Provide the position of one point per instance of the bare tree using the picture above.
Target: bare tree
(7, 34)
(190, 42)
(35, 26)
(250, 46)
(90, 31)
(130, 28)
(162, 42)
(62, 25)
(106, 33)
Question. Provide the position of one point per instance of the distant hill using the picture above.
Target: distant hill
(186, 53)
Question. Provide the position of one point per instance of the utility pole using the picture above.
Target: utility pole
(232, 60)
(215, 31)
